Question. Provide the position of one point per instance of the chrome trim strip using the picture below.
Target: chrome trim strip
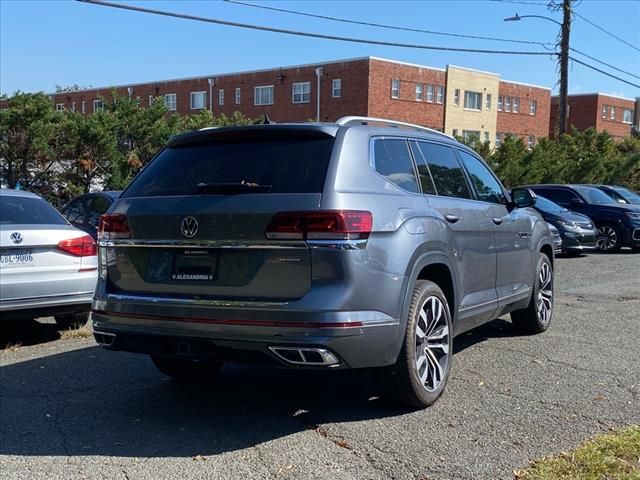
(339, 244)
(484, 304)
(115, 297)
(201, 244)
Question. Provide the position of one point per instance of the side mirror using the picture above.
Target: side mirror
(575, 202)
(523, 198)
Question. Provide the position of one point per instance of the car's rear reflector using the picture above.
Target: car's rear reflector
(112, 226)
(321, 225)
(79, 246)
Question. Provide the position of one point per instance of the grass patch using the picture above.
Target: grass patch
(614, 455)
(82, 332)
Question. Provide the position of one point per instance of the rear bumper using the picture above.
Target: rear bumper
(358, 339)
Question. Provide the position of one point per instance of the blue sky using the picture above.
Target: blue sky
(47, 43)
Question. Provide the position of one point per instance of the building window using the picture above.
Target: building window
(83, 106)
(507, 104)
(604, 111)
(455, 132)
(263, 95)
(440, 94)
(430, 93)
(198, 100)
(531, 140)
(221, 96)
(59, 107)
(626, 115)
(470, 134)
(98, 106)
(301, 92)
(395, 88)
(472, 101)
(613, 112)
(487, 103)
(516, 104)
(171, 101)
(73, 106)
(150, 100)
(456, 96)
(499, 103)
(237, 96)
(498, 139)
(419, 92)
(336, 88)
(486, 136)
(533, 107)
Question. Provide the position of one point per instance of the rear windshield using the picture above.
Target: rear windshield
(28, 211)
(290, 164)
(594, 195)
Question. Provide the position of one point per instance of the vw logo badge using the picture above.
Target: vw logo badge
(189, 227)
(17, 238)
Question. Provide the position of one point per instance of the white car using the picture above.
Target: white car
(47, 266)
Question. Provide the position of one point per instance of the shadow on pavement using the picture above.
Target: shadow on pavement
(94, 402)
(25, 333)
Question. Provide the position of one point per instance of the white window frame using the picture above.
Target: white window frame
(418, 92)
(487, 103)
(221, 96)
(498, 139)
(83, 106)
(170, 105)
(261, 89)
(193, 96)
(430, 93)
(500, 101)
(531, 141)
(487, 136)
(98, 106)
(507, 104)
(604, 111)
(60, 107)
(336, 88)
(456, 97)
(467, 134)
(624, 115)
(395, 88)
(151, 100)
(303, 95)
(476, 105)
(439, 94)
(454, 132)
(237, 95)
(73, 106)
(515, 104)
(613, 112)
(533, 107)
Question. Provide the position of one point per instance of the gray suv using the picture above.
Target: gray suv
(364, 243)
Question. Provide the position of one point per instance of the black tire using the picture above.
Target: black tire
(403, 379)
(75, 320)
(185, 369)
(536, 317)
(609, 238)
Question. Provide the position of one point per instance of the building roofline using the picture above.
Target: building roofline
(474, 70)
(526, 84)
(399, 62)
(596, 94)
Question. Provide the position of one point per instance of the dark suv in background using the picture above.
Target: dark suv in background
(84, 211)
(620, 194)
(618, 224)
(345, 245)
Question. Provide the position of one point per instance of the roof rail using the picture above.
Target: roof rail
(351, 120)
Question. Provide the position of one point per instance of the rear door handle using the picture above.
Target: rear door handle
(497, 220)
(451, 218)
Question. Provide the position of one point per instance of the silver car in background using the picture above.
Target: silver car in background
(47, 267)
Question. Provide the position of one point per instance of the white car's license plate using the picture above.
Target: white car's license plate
(16, 257)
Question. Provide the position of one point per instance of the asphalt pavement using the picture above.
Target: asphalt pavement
(70, 410)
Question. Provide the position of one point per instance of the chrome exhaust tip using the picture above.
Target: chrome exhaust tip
(306, 356)
(103, 338)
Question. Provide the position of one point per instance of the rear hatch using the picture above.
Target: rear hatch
(193, 223)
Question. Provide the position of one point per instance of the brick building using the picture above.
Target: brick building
(598, 110)
(455, 100)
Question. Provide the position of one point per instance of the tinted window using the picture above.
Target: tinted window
(28, 211)
(393, 161)
(291, 164)
(487, 187)
(628, 194)
(594, 195)
(447, 173)
(559, 196)
(548, 206)
(99, 206)
(76, 210)
(423, 171)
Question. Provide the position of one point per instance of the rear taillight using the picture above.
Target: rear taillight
(322, 225)
(79, 247)
(112, 226)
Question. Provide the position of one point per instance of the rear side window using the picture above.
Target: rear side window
(561, 197)
(288, 164)
(448, 176)
(488, 188)
(393, 161)
(99, 205)
(28, 211)
(76, 210)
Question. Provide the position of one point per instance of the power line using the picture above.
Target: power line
(382, 25)
(605, 63)
(306, 34)
(603, 72)
(606, 31)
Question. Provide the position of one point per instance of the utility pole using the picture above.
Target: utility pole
(564, 66)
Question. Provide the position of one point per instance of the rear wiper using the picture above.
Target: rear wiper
(241, 187)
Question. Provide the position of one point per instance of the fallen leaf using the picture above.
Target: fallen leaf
(199, 458)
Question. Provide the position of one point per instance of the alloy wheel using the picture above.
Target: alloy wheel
(607, 238)
(544, 301)
(432, 344)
